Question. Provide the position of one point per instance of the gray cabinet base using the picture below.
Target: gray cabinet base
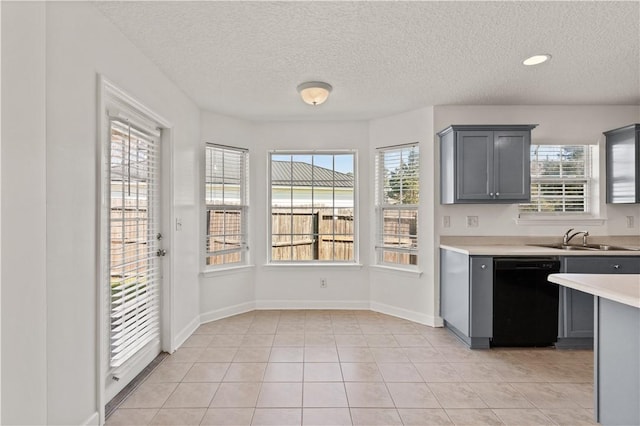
(472, 342)
(574, 343)
(617, 366)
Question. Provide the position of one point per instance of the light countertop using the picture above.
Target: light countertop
(622, 288)
(530, 250)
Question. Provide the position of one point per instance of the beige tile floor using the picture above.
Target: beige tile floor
(355, 368)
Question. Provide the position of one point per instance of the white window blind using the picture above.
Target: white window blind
(133, 228)
(560, 180)
(226, 199)
(398, 194)
(312, 207)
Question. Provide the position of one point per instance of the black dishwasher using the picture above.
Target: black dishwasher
(525, 304)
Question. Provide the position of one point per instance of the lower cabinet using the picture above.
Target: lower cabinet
(466, 296)
(575, 316)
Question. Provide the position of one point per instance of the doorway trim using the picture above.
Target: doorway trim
(109, 94)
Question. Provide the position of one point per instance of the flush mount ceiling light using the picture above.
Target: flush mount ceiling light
(536, 59)
(314, 92)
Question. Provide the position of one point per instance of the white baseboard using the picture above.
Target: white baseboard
(407, 314)
(438, 322)
(93, 420)
(185, 333)
(227, 312)
(312, 304)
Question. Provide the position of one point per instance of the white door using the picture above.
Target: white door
(134, 251)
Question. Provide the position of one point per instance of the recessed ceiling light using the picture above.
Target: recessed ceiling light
(536, 59)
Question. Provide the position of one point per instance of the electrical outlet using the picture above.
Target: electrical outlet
(630, 221)
(446, 221)
(472, 221)
(323, 283)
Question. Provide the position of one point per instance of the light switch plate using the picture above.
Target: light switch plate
(446, 221)
(630, 221)
(472, 221)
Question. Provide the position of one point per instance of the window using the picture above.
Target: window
(134, 226)
(226, 199)
(312, 207)
(397, 196)
(560, 180)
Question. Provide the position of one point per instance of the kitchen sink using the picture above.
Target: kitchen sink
(588, 247)
(606, 247)
(566, 247)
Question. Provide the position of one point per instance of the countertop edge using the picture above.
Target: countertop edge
(454, 248)
(530, 250)
(621, 288)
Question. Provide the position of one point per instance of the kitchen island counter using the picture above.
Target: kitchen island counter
(623, 288)
(616, 343)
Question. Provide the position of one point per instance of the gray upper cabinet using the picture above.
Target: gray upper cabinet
(485, 164)
(623, 164)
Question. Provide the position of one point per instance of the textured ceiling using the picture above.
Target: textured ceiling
(245, 59)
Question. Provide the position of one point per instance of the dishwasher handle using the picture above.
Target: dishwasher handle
(546, 264)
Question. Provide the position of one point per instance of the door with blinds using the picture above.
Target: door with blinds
(134, 250)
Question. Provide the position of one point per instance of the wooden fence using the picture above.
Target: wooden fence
(129, 237)
(312, 234)
(393, 226)
(301, 234)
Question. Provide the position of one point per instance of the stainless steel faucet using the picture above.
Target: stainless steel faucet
(566, 238)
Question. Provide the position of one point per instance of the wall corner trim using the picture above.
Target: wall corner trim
(407, 314)
(217, 314)
(185, 333)
(93, 420)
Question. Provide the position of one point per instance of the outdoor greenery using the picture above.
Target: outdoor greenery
(559, 179)
(402, 186)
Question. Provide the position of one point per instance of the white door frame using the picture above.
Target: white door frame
(110, 94)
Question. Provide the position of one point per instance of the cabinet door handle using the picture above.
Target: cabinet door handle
(497, 194)
(491, 194)
(616, 266)
(483, 266)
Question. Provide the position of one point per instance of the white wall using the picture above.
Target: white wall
(230, 292)
(299, 286)
(572, 124)
(51, 55)
(24, 304)
(79, 43)
(285, 286)
(405, 294)
(0, 212)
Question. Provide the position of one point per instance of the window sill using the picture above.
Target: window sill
(314, 265)
(225, 271)
(392, 269)
(560, 220)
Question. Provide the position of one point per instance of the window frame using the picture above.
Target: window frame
(590, 194)
(242, 208)
(269, 239)
(381, 207)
